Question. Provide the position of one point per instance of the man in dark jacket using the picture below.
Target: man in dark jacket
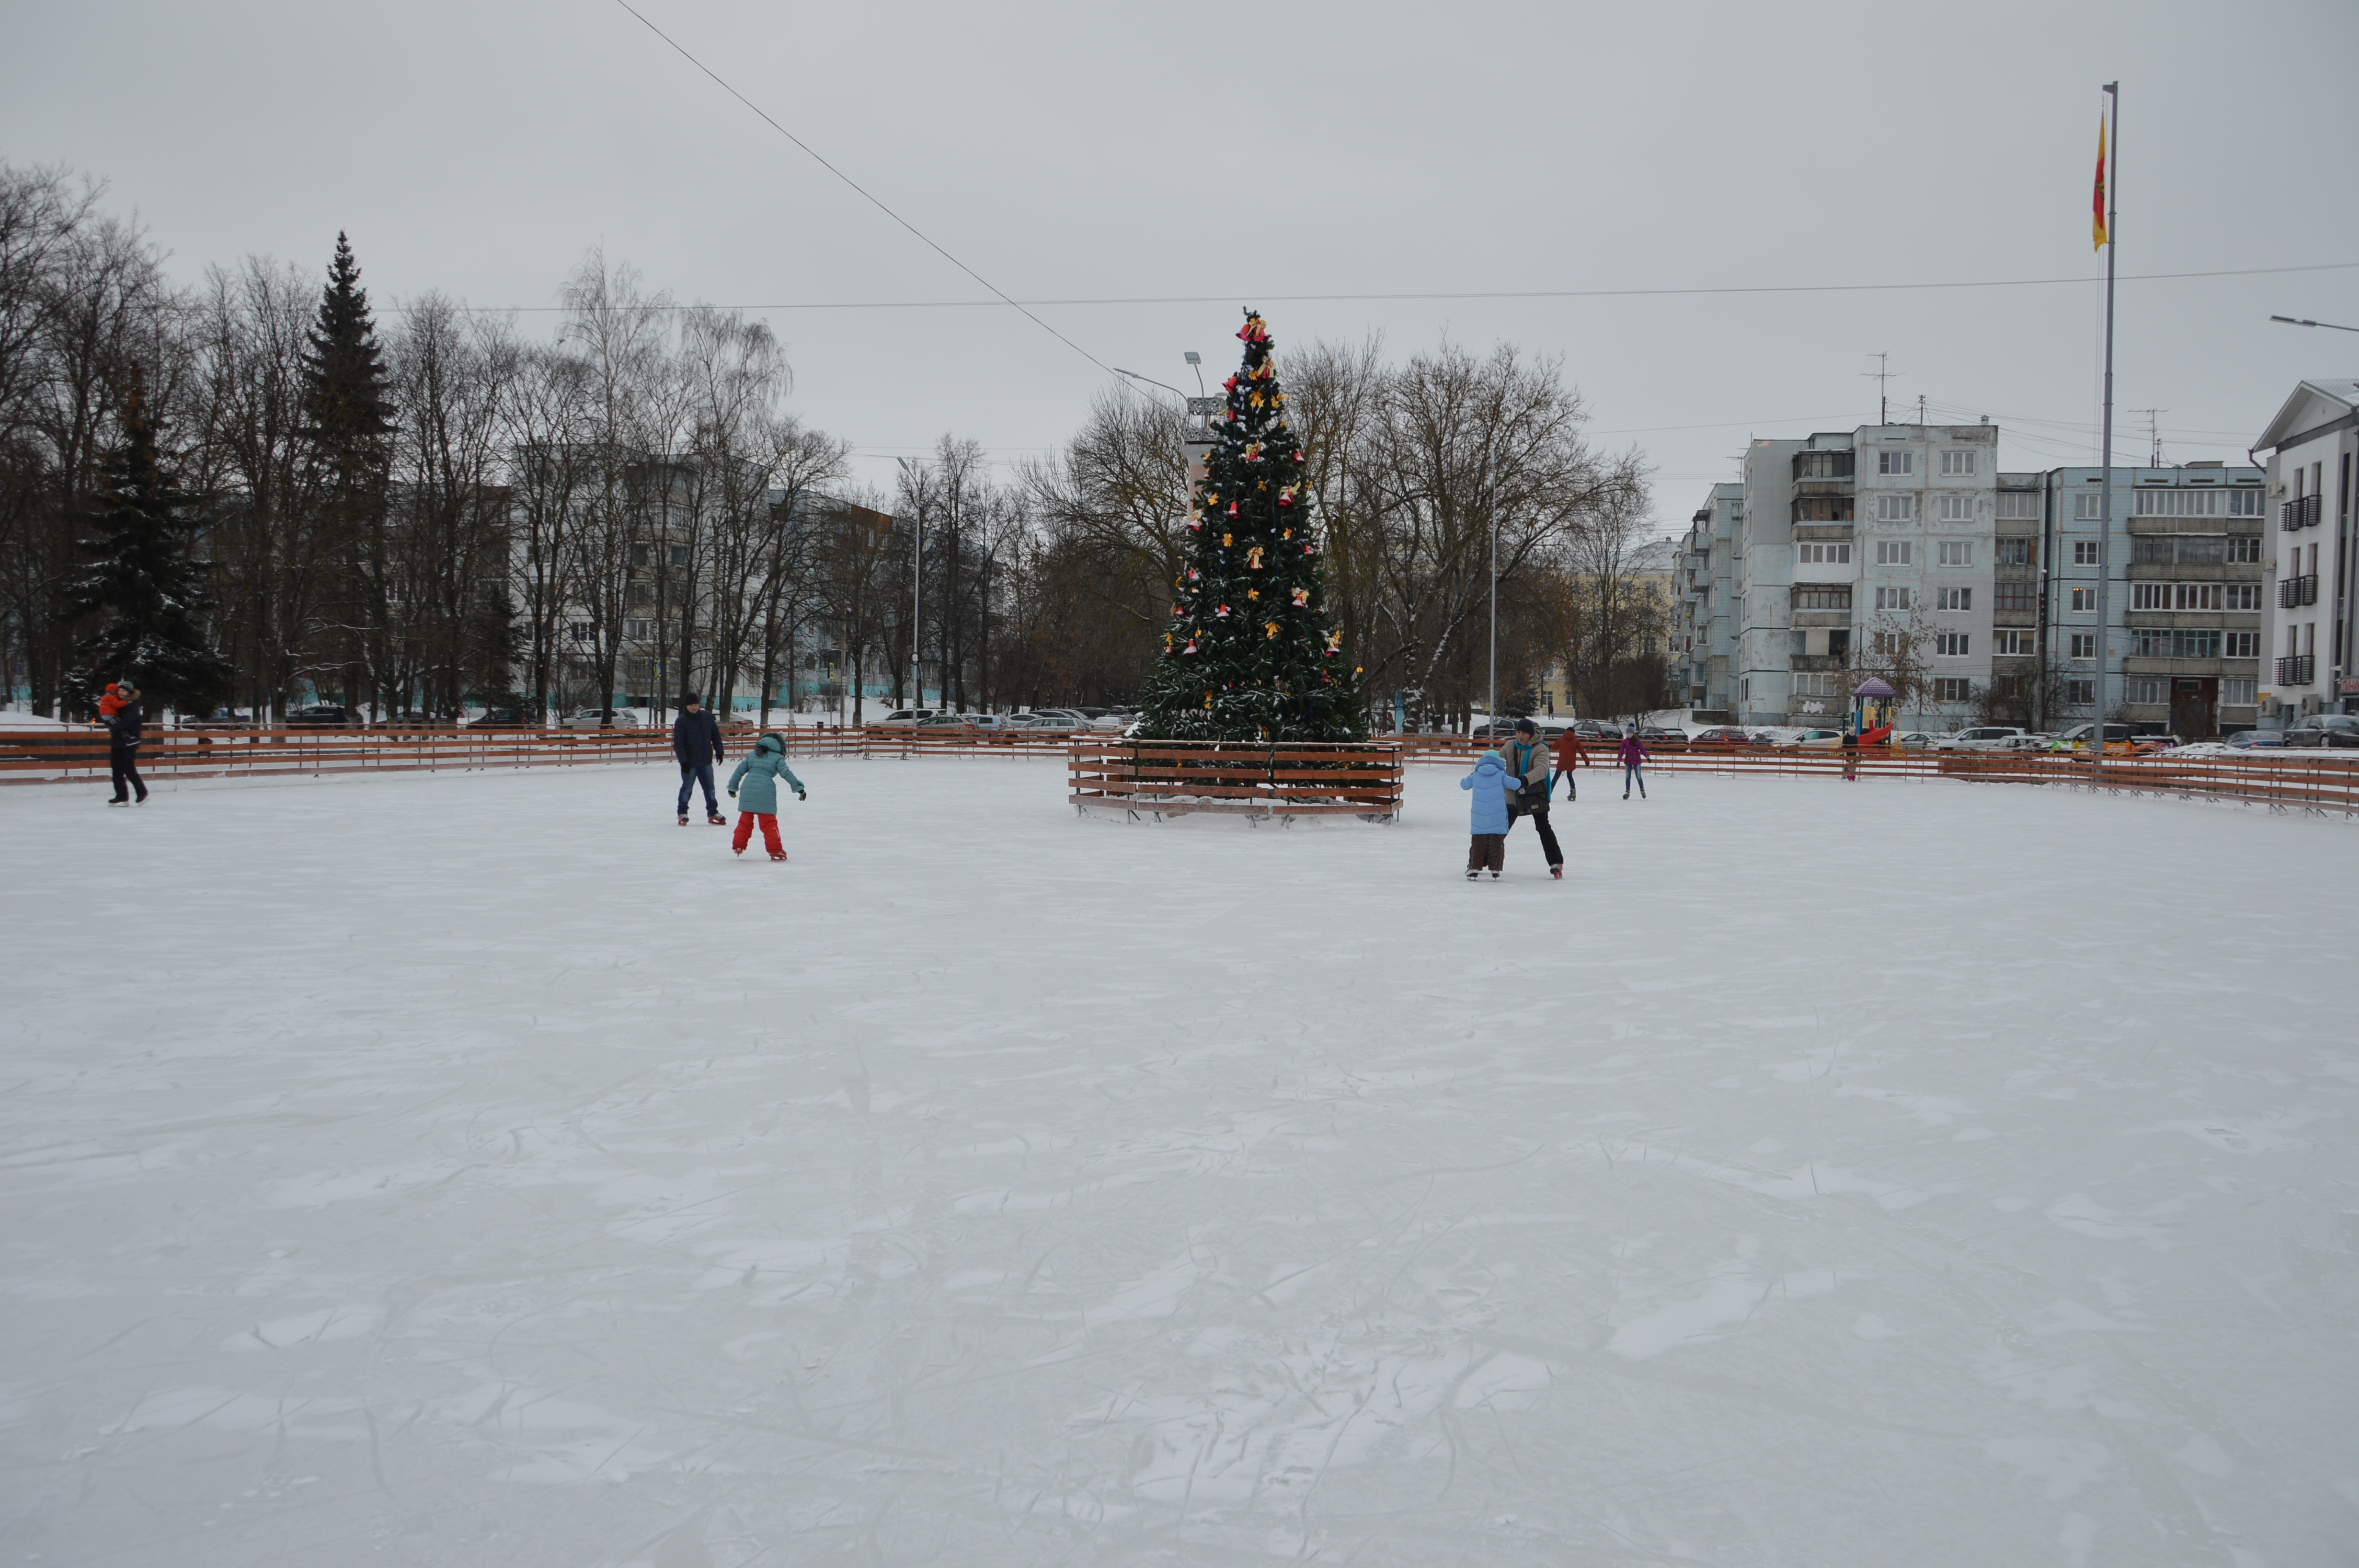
(1527, 760)
(696, 741)
(125, 729)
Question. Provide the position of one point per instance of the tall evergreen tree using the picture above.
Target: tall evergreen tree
(1252, 654)
(145, 577)
(349, 413)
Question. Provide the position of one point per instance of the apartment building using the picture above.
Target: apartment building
(2310, 618)
(2180, 649)
(1703, 630)
(1859, 549)
(1648, 577)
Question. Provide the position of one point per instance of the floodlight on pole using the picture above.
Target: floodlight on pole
(1196, 363)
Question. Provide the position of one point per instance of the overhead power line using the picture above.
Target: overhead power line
(868, 196)
(1027, 305)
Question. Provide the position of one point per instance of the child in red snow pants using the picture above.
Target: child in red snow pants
(744, 834)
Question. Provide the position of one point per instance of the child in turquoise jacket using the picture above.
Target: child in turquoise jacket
(759, 774)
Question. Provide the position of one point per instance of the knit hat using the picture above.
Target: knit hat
(689, 699)
(1526, 727)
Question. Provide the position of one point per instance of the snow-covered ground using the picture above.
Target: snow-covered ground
(481, 1169)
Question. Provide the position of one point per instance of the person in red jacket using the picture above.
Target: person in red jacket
(110, 702)
(1633, 757)
(1568, 757)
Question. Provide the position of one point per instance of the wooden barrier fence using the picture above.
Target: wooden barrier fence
(1170, 778)
(1361, 780)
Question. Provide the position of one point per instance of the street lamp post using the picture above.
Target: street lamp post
(916, 597)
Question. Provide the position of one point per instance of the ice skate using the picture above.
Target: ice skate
(1557, 871)
(779, 857)
(1494, 876)
(715, 819)
(1472, 875)
(683, 819)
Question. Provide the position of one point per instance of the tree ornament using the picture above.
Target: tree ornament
(1253, 559)
(1253, 593)
(1269, 628)
(1228, 539)
(1223, 612)
(1302, 596)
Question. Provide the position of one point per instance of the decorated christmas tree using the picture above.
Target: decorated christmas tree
(1251, 654)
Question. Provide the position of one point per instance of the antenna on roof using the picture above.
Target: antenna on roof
(1882, 374)
(2153, 433)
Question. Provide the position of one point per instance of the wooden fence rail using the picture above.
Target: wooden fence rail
(1168, 778)
(1161, 777)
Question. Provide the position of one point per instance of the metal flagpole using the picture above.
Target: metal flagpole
(2105, 492)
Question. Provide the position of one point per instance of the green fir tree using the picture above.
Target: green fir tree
(146, 580)
(1252, 654)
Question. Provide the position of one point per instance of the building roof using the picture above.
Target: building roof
(2313, 404)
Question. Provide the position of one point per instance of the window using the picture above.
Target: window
(2013, 645)
(1951, 644)
(2150, 596)
(1952, 688)
(1957, 463)
(2245, 549)
(1893, 552)
(2149, 689)
(679, 555)
(2084, 599)
(1896, 508)
(2244, 504)
(2180, 503)
(1824, 554)
(2083, 645)
(2196, 595)
(638, 554)
(2239, 644)
(2243, 596)
(2084, 552)
(2150, 643)
(1895, 462)
(639, 631)
(584, 632)
(1815, 683)
(2239, 691)
(1954, 508)
(2022, 503)
(1822, 508)
(2089, 506)
(2017, 598)
(2017, 552)
(1956, 553)
(1953, 599)
(1892, 599)
(2080, 693)
(1822, 597)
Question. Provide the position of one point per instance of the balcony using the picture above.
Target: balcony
(1823, 465)
(2297, 669)
(2294, 591)
(2295, 515)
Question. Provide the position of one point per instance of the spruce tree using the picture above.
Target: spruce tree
(350, 416)
(1251, 654)
(145, 578)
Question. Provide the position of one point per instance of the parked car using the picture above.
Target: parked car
(1985, 738)
(1661, 732)
(419, 722)
(1597, 730)
(600, 718)
(322, 713)
(2250, 739)
(1722, 735)
(1495, 730)
(505, 719)
(2076, 737)
(1821, 739)
(2325, 730)
(1040, 722)
(1917, 741)
(904, 718)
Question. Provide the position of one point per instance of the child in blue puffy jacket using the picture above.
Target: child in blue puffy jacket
(758, 775)
(1490, 781)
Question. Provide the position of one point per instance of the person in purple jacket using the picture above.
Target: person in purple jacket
(1634, 760)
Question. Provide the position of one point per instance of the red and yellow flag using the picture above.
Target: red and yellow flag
(2098, 220)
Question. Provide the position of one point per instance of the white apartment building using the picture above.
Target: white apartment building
(1703, 596)
(2309, 613)
(1860, 545)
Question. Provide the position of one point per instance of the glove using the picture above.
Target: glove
(803, 794)
(733, 794)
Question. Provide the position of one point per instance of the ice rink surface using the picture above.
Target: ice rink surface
(479, 1169)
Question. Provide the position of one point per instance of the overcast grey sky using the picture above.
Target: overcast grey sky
(1097, 150)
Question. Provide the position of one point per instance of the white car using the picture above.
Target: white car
(905, 718)
(1985, 737)
(600, 718)
(1917, 741)
(1043, 723)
